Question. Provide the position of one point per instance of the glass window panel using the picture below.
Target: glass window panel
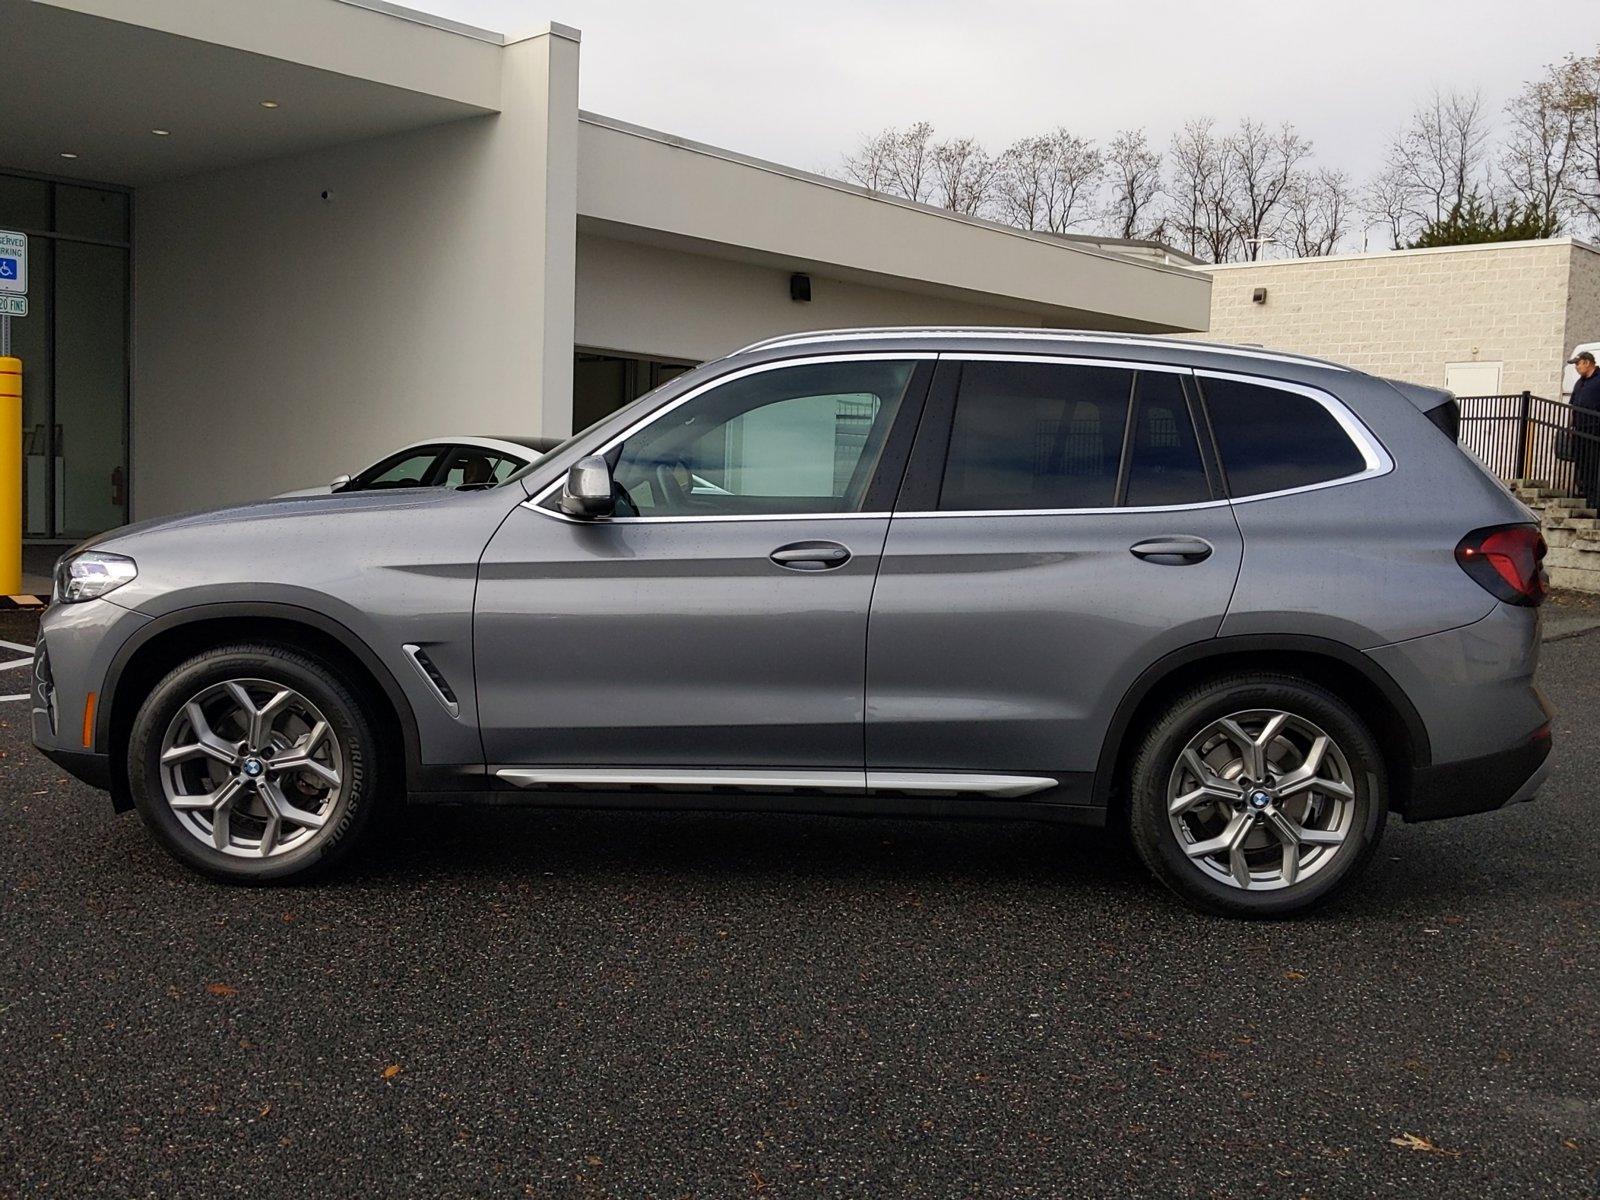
(1271, 440)
(1036, 435)
(91, 387)
(1164, 465)
(409, 468)
(792, 440)
(92, 212)
(24, 204)
(31, 338)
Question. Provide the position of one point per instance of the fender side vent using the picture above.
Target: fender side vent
(435, 677)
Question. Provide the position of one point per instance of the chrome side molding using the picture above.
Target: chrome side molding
(952, 783)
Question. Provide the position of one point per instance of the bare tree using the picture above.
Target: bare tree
(1438, 158)
(1133, 172)
(963, 176)
(1264, 162)
(1539, 146)
(897, 161)
(1579, 93)
(1201, 209)
(1386, 202)
(1318, 205)
(869, 165)
(1048, 182)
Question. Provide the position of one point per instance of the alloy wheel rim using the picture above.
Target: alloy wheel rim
(251, 768)
(1261, 799)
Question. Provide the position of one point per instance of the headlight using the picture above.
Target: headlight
(90, 574)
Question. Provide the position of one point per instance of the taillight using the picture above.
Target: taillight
(1507, 561)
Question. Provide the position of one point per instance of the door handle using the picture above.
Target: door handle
(811, 556)
(1172, 551)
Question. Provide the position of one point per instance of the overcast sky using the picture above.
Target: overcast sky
(801, 82)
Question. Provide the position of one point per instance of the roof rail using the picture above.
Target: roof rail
(1035, 334)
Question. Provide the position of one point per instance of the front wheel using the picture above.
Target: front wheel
(254, 763)
(1257, 795)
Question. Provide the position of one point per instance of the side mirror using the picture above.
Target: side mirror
(588, 493)
(340, 482)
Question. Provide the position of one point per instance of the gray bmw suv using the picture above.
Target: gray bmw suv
(1240, 604)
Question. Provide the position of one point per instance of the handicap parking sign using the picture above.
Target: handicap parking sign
(13, 263)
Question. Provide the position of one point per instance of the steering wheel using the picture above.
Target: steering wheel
(672, 496)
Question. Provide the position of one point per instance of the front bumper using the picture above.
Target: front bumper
(72, 660)
(1483, 784)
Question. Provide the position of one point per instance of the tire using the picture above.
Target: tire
(1268, 814)
(324, 723)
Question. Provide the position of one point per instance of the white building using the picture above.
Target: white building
(271, 241)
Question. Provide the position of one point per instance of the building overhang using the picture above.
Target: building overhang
(95, 78)
(637, 184)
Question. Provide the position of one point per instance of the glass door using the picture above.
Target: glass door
(74, 350)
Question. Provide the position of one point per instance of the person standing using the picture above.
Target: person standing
(1586, 426)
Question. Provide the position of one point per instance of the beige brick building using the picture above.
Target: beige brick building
(1476, 319)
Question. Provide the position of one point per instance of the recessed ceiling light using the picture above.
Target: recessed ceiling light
(162, 132)
(269, 104)
(68, 154)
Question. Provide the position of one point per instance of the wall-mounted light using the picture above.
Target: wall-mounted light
(800, 288)
(1258, 296)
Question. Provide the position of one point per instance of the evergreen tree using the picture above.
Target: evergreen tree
(1470, 222)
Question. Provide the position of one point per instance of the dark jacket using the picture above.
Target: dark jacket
(1586, 393)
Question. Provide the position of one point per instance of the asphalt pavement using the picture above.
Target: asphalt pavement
(517, 1003)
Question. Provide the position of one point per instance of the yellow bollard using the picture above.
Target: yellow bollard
(10, 476)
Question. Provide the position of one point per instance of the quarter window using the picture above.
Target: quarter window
(1271, 439)
(409, 468)
(792, 440)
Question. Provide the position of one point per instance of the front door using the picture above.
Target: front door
(719, 618)
(1060, 529)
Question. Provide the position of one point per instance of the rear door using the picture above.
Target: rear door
(1061, 527)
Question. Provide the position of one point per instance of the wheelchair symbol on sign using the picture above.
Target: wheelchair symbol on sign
(8, 268)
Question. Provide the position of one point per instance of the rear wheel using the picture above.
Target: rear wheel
(254, 763)
(1257, 795)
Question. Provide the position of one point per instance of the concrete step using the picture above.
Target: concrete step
(1562, 521)
(1575, 579)
(1584, 556)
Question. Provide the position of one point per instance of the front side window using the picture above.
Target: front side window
(791, 440)
(1272, 440)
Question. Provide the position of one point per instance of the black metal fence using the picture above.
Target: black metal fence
(1523, 436)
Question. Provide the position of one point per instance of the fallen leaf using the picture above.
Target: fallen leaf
(1410, 1141)
(1294, 975)
(221, 989)
(391, 1070)
(265, 1109)
(1569, 1143)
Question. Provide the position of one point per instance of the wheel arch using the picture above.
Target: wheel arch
(1346, 672)
(168, 640)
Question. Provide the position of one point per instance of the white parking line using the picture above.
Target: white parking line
(24, 696)
(17, 646)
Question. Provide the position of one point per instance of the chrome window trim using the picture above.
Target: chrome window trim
(536, 501)
(1049, 335)
(1373, 453)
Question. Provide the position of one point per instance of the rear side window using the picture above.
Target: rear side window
(1036, 435)
(1272, 440)
(1029, 435)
